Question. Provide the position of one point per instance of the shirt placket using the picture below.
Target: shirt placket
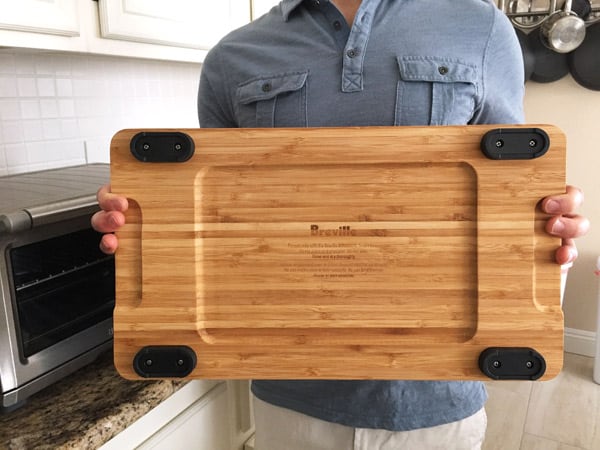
(356, 46)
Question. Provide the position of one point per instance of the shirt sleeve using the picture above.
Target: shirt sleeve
(214, 105)
(503, 83)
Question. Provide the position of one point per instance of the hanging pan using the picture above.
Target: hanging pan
(564, 30)
(549, 65)
(584, 62)
(528, 55)
(559, 34)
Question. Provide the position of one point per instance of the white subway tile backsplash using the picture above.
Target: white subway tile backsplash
(49, 108)
(74, 150)
(51, 130)
(24, 63)
(85, 107)
(113, 87)
(38, 152)
(79, 66)
(127, 88)
(3, 165)
(34, 130)
(69, 128)
(97, 150)
(63, 65)
(64, 87)
(16, 157)
(42, 152)
(7, 64)
(46, 87)
(103, 106)
(9, 109)
(27, 87)
(63, 109)
(30, 109)
(12, 131)
(66, 107)
(8, 86)
(45, 64)
(88, 126)
(81, 88)
(141, 90)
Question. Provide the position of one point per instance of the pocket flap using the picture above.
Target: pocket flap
(434, 69)
(270, 86)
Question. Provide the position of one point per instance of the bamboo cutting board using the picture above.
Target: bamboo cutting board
(341, 253)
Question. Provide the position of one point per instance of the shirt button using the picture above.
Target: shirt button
(352, 53)
(266, 87)
(443, 70)
(337, 25)
(316, 2)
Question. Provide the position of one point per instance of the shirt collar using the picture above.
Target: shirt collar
(287, 6)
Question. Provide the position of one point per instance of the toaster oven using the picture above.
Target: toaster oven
(56, 286)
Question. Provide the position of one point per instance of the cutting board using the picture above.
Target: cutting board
(338, 253)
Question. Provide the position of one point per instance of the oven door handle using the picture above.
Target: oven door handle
(36, 216)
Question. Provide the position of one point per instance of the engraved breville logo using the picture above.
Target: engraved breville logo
(343, 230)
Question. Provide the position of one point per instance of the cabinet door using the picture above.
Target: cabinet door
(182, 23)
(241, 418)
(58, 17)
(204, 425)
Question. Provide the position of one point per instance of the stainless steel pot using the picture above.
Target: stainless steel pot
(564, 30)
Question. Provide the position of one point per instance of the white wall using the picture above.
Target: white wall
(63, 109)
(576, 111)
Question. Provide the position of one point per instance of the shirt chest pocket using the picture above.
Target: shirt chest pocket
(435, 91)
(273, 101)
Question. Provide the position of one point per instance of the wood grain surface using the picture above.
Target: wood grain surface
(340, 253)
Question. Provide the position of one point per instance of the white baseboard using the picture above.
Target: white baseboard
(580, 342)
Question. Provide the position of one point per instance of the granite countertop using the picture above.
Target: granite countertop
(82, 411)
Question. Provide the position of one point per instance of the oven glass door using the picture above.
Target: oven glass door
(62, 285)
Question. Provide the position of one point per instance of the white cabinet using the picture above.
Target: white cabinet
(203, 414)
(59, 17)
(184, 23)
(178, 30)
(203, 425)
(48, 24)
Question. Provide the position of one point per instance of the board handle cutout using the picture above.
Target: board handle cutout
(512, 363)
(515, 143)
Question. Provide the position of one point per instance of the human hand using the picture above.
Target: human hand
(110, 218)
(564, 223)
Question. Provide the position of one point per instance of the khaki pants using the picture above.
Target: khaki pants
(282, 429)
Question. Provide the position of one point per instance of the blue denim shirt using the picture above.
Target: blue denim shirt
(402, 62)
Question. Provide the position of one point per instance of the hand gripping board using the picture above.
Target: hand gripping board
(340, 253)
